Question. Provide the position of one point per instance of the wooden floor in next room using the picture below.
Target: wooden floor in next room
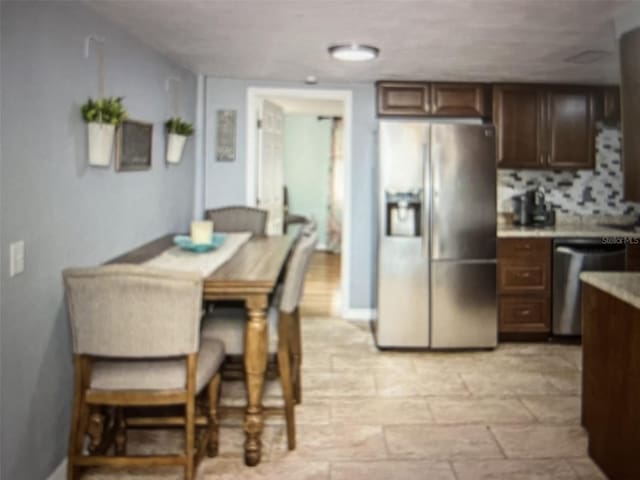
(322, 287)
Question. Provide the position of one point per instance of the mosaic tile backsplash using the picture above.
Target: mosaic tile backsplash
(582, 192)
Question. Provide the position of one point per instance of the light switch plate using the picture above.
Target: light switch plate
(16, 258)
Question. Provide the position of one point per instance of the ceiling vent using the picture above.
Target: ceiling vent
(586, 57)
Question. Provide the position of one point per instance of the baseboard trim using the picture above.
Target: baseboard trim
(361, 314)
(60, 473)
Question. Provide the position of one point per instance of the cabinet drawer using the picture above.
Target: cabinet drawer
(520, 277)
(523, 314)
(538, 249)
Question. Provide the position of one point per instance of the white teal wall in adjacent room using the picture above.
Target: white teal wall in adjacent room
(307, 155)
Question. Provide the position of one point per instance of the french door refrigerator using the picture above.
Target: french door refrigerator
(437, 235)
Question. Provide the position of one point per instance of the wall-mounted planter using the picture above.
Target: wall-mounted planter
(175, 147)
(100, 137)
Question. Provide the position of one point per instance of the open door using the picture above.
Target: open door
(271, 166)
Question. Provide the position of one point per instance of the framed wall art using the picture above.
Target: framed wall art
(226, 135)
(133, 146)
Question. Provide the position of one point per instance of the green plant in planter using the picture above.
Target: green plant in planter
(108, 110)
(179, 126)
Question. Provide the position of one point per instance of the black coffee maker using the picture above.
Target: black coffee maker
(531, 210)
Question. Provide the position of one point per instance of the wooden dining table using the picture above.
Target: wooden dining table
(250, 276)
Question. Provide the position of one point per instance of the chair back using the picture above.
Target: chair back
(238, 219)
(133, 311)
(296, 271)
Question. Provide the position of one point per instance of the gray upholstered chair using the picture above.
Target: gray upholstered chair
(310, 227)
(136, 342)
(238, 219)
(227, 324)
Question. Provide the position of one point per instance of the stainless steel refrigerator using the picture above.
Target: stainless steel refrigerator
(437, 235)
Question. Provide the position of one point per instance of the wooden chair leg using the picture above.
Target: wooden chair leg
(78, 403)
(190, 418)
(284, 370)
(296, 350)
(213, 421)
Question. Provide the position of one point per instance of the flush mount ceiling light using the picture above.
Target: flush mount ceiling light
(587, 56)
(353, 52)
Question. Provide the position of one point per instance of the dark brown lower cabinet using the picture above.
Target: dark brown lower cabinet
(611, 382)
(524, 314)
(633, 257)
(524, 288)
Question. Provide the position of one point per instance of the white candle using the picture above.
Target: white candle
(201, 231)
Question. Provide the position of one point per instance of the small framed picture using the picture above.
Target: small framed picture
(133, 146)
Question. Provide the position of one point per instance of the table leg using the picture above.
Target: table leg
(255, 363)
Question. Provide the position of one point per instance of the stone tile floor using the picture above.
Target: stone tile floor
(511, 414)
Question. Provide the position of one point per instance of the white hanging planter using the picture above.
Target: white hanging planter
(175, 147)
(100, 136)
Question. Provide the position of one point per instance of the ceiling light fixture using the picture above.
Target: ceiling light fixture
(311, 80)
(353, 52)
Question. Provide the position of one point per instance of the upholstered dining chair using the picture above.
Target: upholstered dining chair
(136, 342)
(227, 324)
(238, 219)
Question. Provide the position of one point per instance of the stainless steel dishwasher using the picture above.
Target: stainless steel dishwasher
(570, 257)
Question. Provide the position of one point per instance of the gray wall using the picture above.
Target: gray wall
(225, 182)
(66, 213)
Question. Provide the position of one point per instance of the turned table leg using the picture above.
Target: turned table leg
(255, 363)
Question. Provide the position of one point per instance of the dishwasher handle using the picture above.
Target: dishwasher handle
(590, 251)
(588, 258)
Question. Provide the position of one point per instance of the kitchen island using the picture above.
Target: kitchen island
(611, 371)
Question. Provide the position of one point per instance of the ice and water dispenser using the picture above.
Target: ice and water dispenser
(403, 213)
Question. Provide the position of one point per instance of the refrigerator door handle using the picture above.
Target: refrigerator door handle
(437, 151)
(426, 200)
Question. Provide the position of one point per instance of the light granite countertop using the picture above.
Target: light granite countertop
(622, 285)
(564, 231)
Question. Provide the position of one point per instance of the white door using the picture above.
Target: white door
(271, 166)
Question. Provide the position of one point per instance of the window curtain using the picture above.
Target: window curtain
(336, 188)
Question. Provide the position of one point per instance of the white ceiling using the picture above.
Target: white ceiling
(484, 40)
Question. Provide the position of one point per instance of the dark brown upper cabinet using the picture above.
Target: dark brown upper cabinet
(460, 100)
(570, 127)
(401, 98)
(611, 105)
(546, 126)
(630, 101)
(517, 114)
(424, 99)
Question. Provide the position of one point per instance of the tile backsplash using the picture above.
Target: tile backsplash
(582, 192)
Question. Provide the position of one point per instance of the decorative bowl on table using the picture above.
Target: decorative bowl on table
(185, 243)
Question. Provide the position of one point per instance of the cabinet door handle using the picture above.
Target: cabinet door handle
(524, 274)
(525, 246)
(525, 313)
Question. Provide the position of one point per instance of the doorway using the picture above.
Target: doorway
(298, 167)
